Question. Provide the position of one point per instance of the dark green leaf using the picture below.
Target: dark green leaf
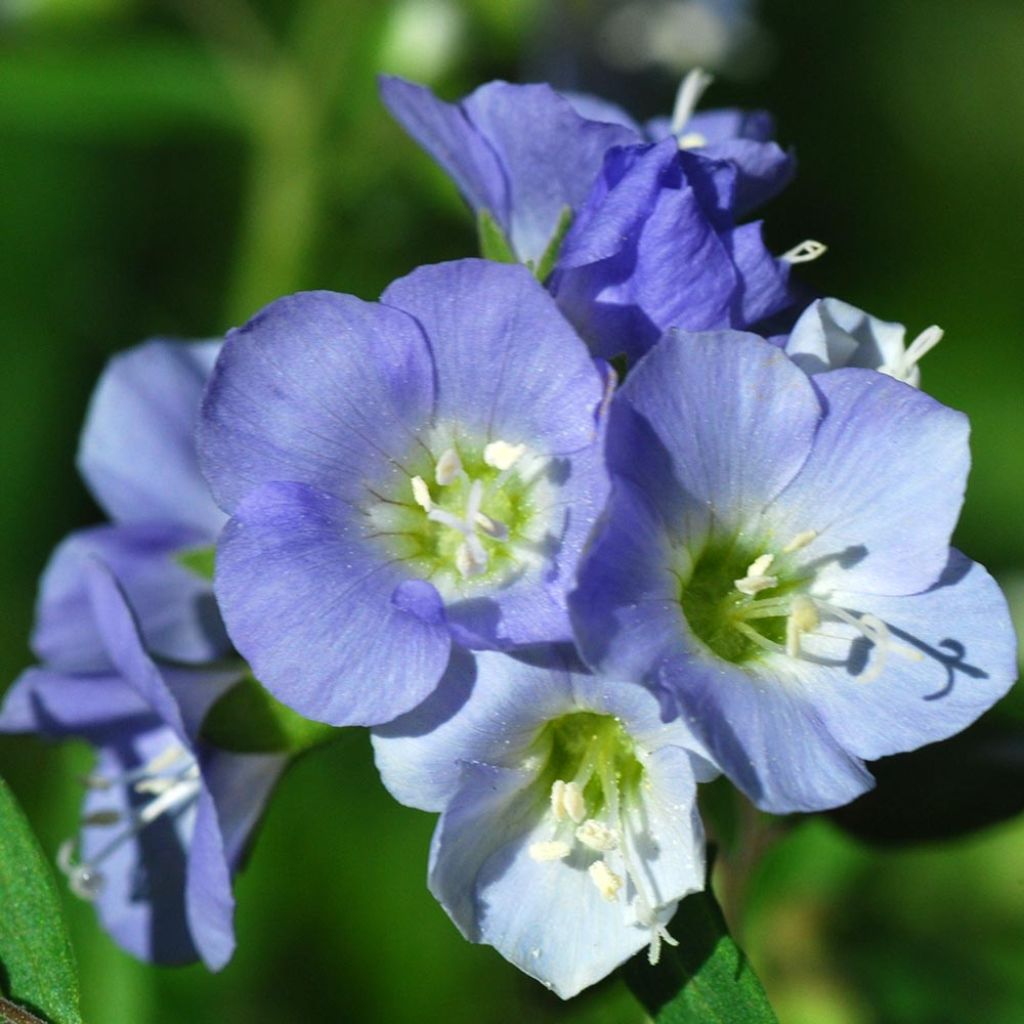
(37, 967)
(247, 719)
(199, 561)
(493, 243)
(943, 790)
(706, 979)
(549, 257)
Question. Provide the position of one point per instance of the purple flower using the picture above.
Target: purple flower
(831, 334)
(166, 819)
(400, 475)
(775, 566)
(654, 241)
(569, 829)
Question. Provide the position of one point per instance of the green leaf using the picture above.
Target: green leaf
(37, 966)
(549, 257)
(199, 561)
(493, 243)
(248, 720)
(706, 979)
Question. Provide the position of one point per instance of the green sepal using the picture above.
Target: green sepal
(542, 268)
(37, 965)
(706, 979)
(249, 720)
(199, 561)
(493, 243)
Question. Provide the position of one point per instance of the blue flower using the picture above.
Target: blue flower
(400, 475)
(568, 829)
(831, 334)
(775, 565)
(654, 241)
(166, 818)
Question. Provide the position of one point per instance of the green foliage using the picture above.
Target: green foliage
(247, 719)
(549, 257)
(706, 979)
(37, 966)
(493, 243)
(199, 561)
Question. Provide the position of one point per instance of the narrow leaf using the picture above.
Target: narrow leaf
(37, 967)
(706, 979)
(493, 243)
(249, 720)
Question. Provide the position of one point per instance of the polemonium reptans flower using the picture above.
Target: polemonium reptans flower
(775, 565)
(569, 829)
(654, 241)
(831, 334)
(166, 819)
(400, 475)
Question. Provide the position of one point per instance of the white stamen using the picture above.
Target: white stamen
(803, 618)
(573, 802)
(440, 515)
(905, 367)
(470, 558)
(756, 579)
(608, 883)
(421, 493)
(492, 527)
(688, 95)
(502, 455)
(597, 835)
(805, 252)
(801, 540)
(558, 799)
(659, 934)
(692, 140)
(448, 468)
(543, 852)
(476, 497)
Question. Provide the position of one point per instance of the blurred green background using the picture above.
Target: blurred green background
(169, 167)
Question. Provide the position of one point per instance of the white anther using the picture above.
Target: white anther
(692, 140)
(691, 88)
(492, 527)
(905, 367)
(805, 252)
(421, 493)
(448, 468)
(567, 801)
(801, 540)
(470, 558)
(558, 800)
(756, 579)
(502, 455)
(543, 852)
(803, 618)
(597, 835)
(608, 883)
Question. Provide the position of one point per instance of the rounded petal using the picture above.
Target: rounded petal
(882, 486)
(321, 616)
(956, 656)
(175, 608)
(138, 449)
(722, 421)
(508, 364)
(318, 388)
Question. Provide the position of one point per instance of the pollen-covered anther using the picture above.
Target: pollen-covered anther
(448, 468)
(421, 493)
(597, 836)
(607, 882)
(801, 540)
(756, 578)
(544, 852)
(806, 252)
(567, 801)
(501, 455)
(692, 140)
(492, 527)
(803, 618)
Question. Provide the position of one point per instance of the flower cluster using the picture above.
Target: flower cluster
(562, 595)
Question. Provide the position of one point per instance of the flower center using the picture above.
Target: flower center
(742, 606)
(171, 778)
(591, 772)
(471, 515)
